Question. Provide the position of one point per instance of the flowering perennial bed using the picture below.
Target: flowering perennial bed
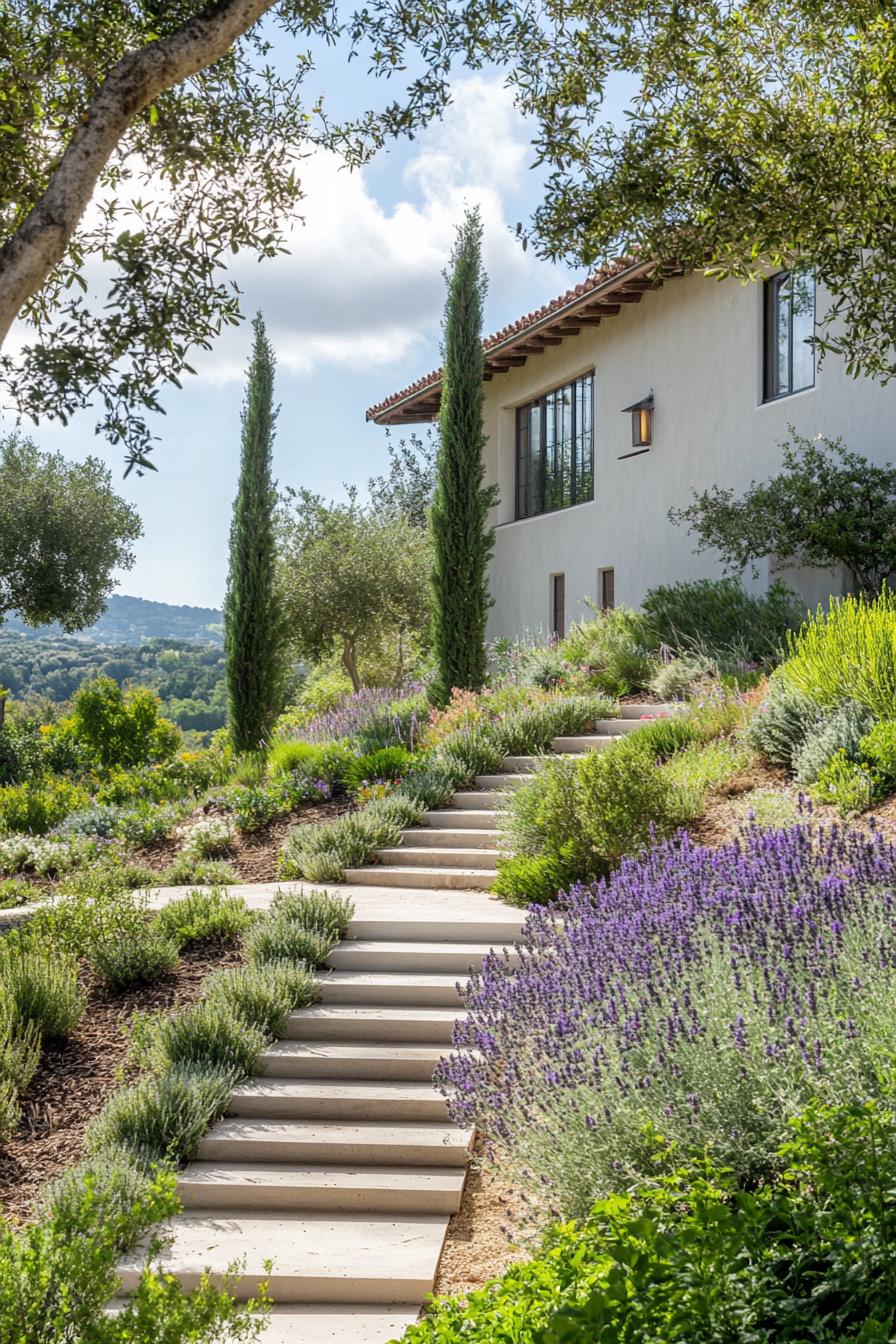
(696, 998)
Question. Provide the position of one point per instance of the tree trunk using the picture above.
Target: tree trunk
(349, 662)
(39, 243)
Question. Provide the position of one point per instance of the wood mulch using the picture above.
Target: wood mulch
(78, 1074)
(254, 856)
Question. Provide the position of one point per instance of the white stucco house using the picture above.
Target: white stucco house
(613, 402)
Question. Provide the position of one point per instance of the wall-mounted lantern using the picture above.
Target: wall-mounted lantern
(642, 421)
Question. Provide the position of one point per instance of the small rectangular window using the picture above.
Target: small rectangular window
(607, 588)
(789, 328)
(558, 605)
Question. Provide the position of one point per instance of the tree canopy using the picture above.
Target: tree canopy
(758, 131)
(827, 507)
(352, 582)
(182, 131)
(63, 533)
(407, 488)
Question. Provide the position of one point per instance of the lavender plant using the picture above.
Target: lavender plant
(378, 716)
(696, 997)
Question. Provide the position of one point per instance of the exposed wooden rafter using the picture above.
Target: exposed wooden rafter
(586, 306)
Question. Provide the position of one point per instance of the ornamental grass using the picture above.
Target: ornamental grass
(847, 653)
(695, 998)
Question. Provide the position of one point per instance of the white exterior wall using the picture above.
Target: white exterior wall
(698, 344)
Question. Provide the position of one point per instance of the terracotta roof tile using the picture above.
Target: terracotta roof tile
(523, 324)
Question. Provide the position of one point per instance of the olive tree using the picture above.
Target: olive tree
(63, 533)
(757, 132)
(826, 507)
(141, 145)
(351, 581)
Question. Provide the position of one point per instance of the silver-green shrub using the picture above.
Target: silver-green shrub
(263, 995)
(782, 723)
(839, 729)
(162, 1117)
(143, 956)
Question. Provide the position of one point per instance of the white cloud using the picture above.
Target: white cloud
(362, 284)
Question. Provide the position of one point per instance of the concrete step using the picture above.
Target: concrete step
(319, 1258)
(318, 1323)
(457, 818)
(296, 1099)
(426, 856)
(513, 779)
(330, 1142)
(427, 837)
(423, 914)
(439, 879)
(615, 727)
(641, 710)
(521, 765)
(448, 958)
(419, 989)
(576, 746)
(333, 1059)
(378, 1026)
(349, 1189)
(475, 800)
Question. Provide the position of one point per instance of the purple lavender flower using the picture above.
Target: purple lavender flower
(709, 993)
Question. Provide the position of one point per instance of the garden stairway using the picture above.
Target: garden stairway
(457, 848)
(338, 1163)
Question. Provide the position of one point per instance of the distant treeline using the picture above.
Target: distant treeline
(188, 676)
(131, 620)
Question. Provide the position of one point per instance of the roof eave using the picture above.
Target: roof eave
(416, 405)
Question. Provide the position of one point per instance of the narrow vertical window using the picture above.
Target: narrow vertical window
(558, 605)
(555, 449)
(606, 588)
(789, 328)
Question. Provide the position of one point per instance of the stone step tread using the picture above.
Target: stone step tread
(317, 1258)
(425, 854)
(361, 1142)
(374, 1015)
(582, 742)
(376, 1024)
(401, 1060)
(354, 948)
(217, 1178)
(410, 979)
(636, 710)
(382, 870)
(444, 880)
(320, 1323)
(510, 779)
(474, 800)
(362, 1091)
(366, 957)
(462, 837)
(459, 817)
(471, 831)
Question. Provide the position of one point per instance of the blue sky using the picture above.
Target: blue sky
(354, 314)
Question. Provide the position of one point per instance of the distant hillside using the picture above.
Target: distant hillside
(131, 620)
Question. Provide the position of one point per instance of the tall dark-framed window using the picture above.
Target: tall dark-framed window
(789, 328)
(555, 449)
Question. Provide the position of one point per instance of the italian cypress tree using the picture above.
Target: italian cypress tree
(462, 539)
(253, 631)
